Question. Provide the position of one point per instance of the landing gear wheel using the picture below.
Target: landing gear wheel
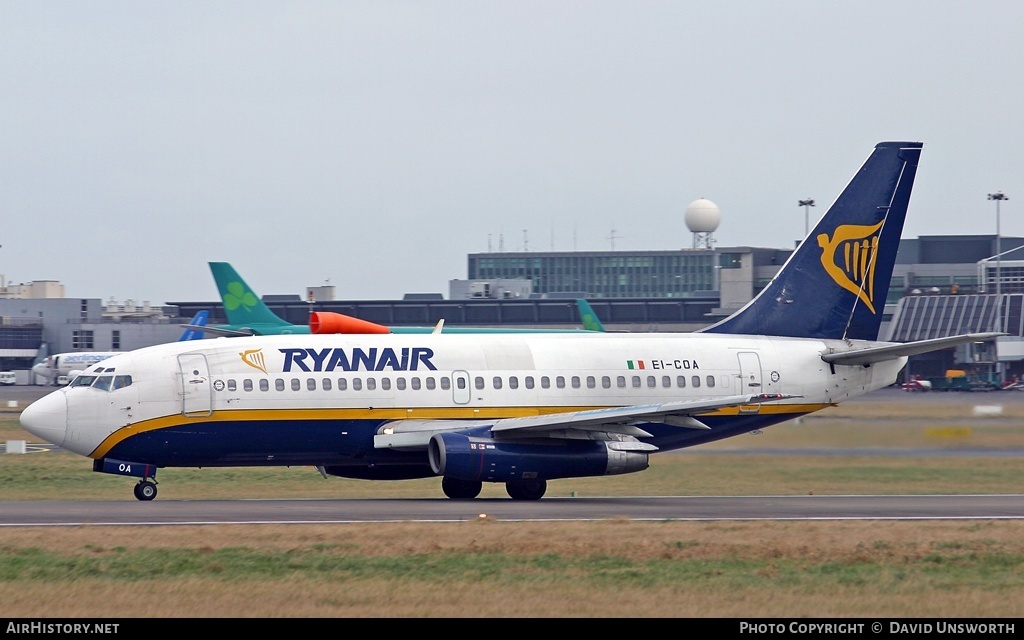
(145, 490)
(526, 489)
(460, 489)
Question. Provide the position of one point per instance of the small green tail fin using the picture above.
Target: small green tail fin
(241, 305)
(587, 315)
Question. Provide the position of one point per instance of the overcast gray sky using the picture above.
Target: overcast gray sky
(373, 145)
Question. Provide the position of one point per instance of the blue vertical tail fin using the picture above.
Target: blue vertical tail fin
(835, 284)
(193, 329)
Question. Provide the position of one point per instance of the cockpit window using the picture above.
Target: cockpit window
(83, 381)
(103, 383)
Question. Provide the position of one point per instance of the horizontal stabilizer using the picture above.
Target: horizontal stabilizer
(869, 355)
(220, 331)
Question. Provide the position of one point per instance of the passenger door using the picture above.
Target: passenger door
(750, 378)
(196, 390)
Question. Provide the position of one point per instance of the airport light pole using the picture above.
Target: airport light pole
(998, 197)
(806, 204)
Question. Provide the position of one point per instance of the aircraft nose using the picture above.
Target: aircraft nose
(47, 418)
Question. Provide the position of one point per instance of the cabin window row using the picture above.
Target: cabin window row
(109, 382)
(344, 384)
(480, 383)
(620, 382)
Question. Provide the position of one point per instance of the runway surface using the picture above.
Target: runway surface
(169, 512)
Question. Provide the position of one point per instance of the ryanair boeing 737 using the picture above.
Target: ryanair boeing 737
(513, 408)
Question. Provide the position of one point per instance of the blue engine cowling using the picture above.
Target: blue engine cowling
(457, 455)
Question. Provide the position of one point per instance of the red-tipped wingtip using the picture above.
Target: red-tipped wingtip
(329, 322)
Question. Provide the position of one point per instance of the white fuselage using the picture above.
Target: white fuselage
(276, 387)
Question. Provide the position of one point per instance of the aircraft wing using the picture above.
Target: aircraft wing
(220, 331)
(591, 424)
(869, 355)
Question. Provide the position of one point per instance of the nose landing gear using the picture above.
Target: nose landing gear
(146, 473)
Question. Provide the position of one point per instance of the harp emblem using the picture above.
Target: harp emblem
(849, 258)
(254, 358)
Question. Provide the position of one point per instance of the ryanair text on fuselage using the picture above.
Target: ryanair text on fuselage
(372, 359)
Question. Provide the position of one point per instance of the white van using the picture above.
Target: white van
(7, 378)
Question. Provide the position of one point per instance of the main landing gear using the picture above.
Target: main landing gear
(468, 489)
(145, 489)
(527, 489)
(460, 489)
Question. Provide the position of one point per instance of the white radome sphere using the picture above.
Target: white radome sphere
(702, 216)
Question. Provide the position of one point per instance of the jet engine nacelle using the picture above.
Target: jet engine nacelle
(457, 455)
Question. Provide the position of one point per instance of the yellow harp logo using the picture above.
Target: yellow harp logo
(254, 358)
(849, 258)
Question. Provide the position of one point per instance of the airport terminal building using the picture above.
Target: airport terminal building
(942, 285)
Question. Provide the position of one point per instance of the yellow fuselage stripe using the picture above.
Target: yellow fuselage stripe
(423, 413)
